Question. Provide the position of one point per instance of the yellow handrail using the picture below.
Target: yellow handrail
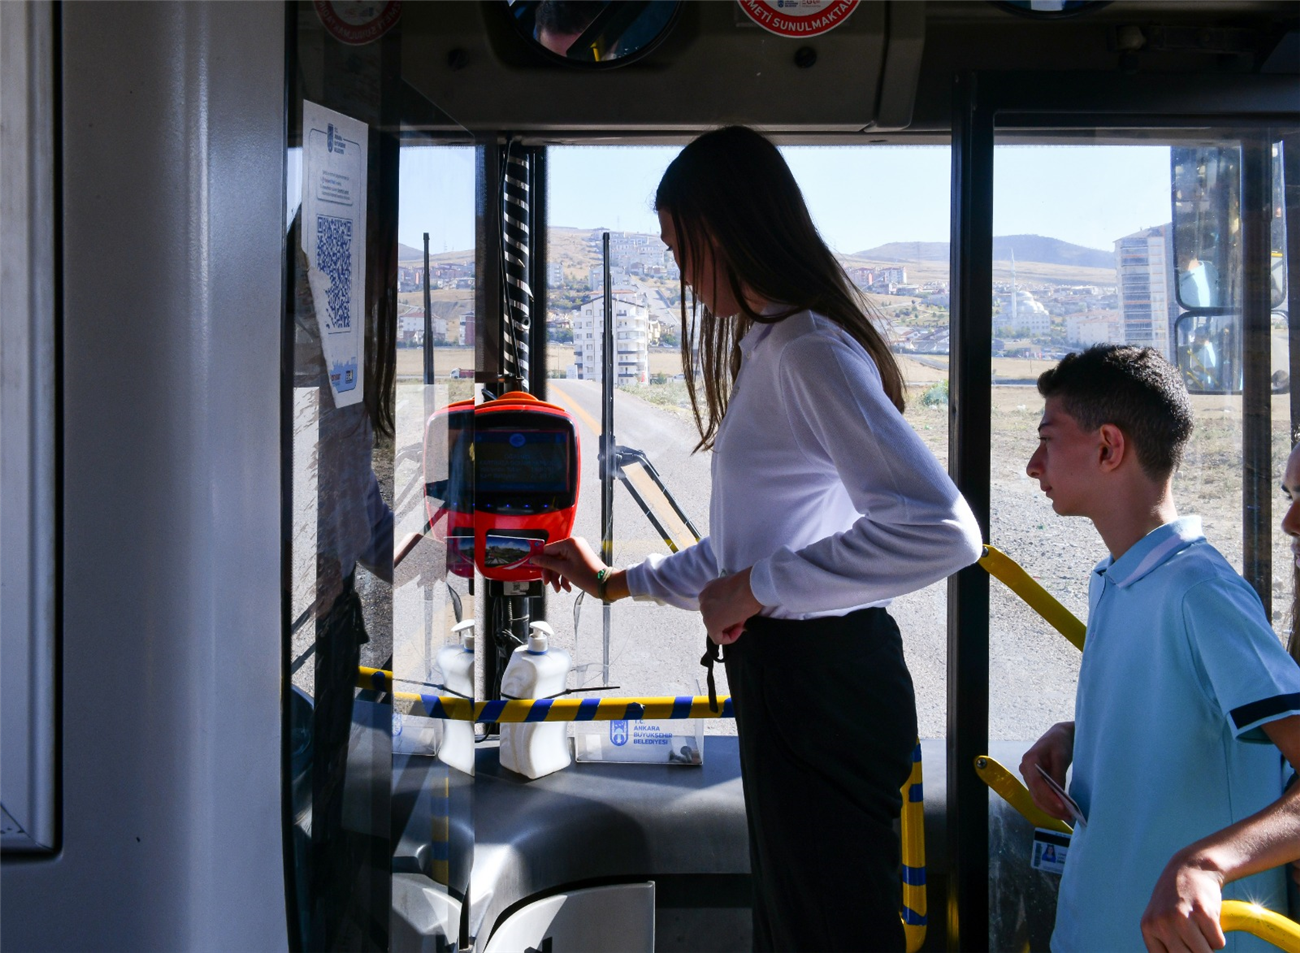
(1014, 792)
(1261, 922)
(1003, 567)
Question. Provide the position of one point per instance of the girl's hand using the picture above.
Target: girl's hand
(725, 604)
(569, 562)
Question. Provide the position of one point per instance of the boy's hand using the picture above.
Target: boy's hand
(1054, 752)
(1183, 914)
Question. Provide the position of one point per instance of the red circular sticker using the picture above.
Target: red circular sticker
(358, 22)
(798, 18)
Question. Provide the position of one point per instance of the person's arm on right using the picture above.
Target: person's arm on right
(1184, 910)
(572, 562)
(675, 580)
(1053, 752)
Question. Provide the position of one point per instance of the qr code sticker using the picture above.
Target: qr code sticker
(334, 259)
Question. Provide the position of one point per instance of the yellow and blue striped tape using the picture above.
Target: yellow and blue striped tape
(912, 825)
(454, 708)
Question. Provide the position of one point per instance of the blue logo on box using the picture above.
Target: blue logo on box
(618, 732)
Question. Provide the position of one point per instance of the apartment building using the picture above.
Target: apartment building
(631, 338)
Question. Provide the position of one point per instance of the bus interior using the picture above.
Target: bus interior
(271, 269)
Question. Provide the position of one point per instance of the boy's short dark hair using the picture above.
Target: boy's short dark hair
(1133, 388)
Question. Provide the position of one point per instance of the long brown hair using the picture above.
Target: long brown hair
(730, 190)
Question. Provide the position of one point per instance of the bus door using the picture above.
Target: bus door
(1115, 228)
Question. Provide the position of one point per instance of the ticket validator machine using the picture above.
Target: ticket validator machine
(501, 481)
(526, 474)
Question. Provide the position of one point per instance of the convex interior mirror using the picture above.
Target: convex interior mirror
(1050, 9)
(594, 34)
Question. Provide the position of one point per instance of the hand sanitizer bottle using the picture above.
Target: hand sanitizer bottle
(535, 671)
(455, 671)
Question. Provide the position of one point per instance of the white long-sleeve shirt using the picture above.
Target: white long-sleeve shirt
(819, 485)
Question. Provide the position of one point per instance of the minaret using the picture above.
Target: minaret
(1015, 303)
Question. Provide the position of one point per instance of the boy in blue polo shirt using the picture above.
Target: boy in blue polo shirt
(1183, 682)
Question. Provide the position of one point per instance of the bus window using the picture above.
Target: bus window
(1075, 265)
(435, 373)
(884, 211)
(642, 648)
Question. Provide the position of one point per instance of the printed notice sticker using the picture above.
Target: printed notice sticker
(334, 242)
(652, 742)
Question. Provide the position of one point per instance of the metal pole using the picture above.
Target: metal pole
(428, 318)
(428, 632)
(515, 249)
(1291, 211)
(969, 411)
(607, 446)
(1256, 423)
(538, 366)
(429, 407)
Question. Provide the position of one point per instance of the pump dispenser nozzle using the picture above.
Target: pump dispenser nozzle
(539, 637)
(466, 632)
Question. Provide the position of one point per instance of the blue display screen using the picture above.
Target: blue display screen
(521, 462)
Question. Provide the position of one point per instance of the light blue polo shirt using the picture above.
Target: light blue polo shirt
(1180, 670)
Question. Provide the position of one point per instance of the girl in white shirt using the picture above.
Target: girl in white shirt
(825, 506)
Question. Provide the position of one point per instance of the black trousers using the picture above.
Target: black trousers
(827, 724)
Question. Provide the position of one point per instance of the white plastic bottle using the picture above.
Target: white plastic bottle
(535, 671)
(455, 671)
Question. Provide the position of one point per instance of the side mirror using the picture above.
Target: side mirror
(1208, 351)
(1207, 213)
(1207, 219)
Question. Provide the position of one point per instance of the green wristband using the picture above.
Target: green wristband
(602, 577)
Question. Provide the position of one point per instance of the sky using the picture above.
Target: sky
(860, 196)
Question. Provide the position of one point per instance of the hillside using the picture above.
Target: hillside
(407, 255)
(1036, 248)
(1037, 258)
